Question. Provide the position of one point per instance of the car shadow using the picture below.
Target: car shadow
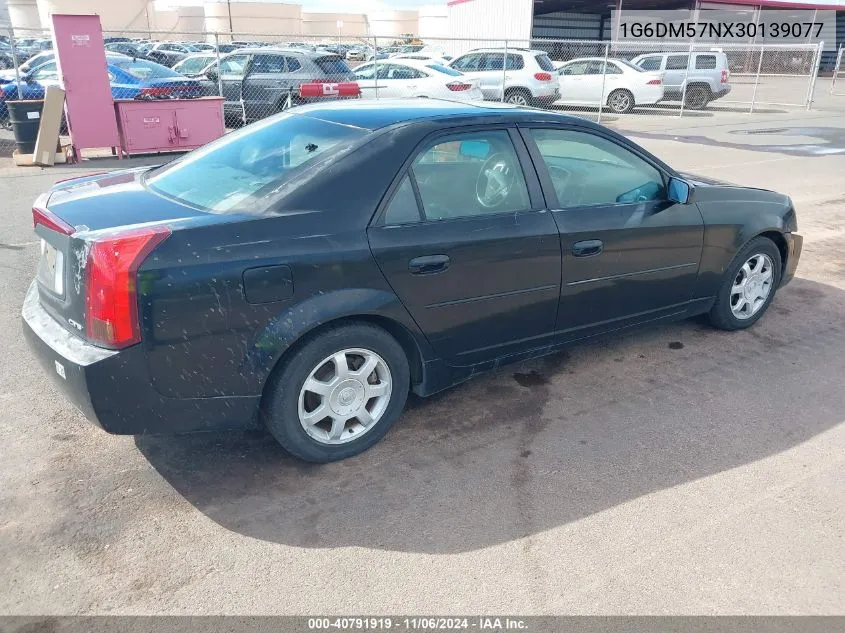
(535, 446)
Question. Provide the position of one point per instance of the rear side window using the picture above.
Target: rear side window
(676, 62)
(403, 208)
(240, 172)
(544, 62)
(705, 61)
(333, 65)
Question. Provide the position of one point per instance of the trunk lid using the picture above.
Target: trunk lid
(76, 210)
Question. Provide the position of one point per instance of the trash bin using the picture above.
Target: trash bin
(25, 117)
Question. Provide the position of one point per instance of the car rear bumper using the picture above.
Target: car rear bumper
(112, 388)
(794, 244)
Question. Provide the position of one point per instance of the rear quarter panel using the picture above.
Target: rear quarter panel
(203, 338)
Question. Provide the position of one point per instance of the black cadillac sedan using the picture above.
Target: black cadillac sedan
(308, 271)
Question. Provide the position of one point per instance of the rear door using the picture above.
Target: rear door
(466, 244)
(629, 254)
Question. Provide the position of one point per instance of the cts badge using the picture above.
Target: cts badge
(60, 370)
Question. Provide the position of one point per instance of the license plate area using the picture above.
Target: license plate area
(51, 269)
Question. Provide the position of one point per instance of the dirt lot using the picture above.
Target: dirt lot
(681, 470)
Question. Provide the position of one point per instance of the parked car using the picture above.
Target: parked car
(129, 78)
(23, 47)
(127, 48)
(530, 79)
(429, 57)
(310, 270)
(258, 82)
(405, 78)
(622, 87)
(356, 55)
(706, 79)
(7, 60)
(170, 53)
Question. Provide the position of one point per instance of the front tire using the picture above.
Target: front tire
(748, 287)
(338, 394)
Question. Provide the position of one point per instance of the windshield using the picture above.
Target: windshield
(142, 69)
(239, 172)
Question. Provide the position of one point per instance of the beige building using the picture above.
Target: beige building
(283, 21)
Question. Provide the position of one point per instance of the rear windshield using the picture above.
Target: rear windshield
(142, 69)
(445, 70)
(333, 65)
(625, 62)
(239, 172)
(544, 62)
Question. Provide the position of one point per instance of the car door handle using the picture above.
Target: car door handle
(587, 248)
(428, 264)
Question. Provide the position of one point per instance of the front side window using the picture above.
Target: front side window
(470, 175)
(468, 62)
(590, 170)
(242, 171)
(575, 68)
(234, 65)
(677, 62)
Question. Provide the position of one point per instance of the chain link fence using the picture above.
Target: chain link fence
(837, 82)
(261, 74)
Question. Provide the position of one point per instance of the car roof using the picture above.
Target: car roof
(529, 51)
(381, 113)
(285, 49)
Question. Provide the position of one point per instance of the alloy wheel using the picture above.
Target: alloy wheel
(752, 286)
(345, 396)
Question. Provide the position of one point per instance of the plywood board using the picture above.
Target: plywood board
(48, 130)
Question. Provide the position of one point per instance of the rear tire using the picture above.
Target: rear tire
(518, 97)
(620, 101)
(312, 406)
(697, 97)
(729, 311)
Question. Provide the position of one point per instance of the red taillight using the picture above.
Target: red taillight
(458, 86)
(724, 76)
(111, 291)
(542, 76)
(50, 221)
(161, 91)
(653, 82)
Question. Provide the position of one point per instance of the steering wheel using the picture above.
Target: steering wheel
(495, 180)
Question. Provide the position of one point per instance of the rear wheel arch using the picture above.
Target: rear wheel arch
(399, 332)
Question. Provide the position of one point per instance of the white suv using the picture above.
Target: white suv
(530, 77)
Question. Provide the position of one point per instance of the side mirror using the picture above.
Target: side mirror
(680, 191)
(211, 73)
